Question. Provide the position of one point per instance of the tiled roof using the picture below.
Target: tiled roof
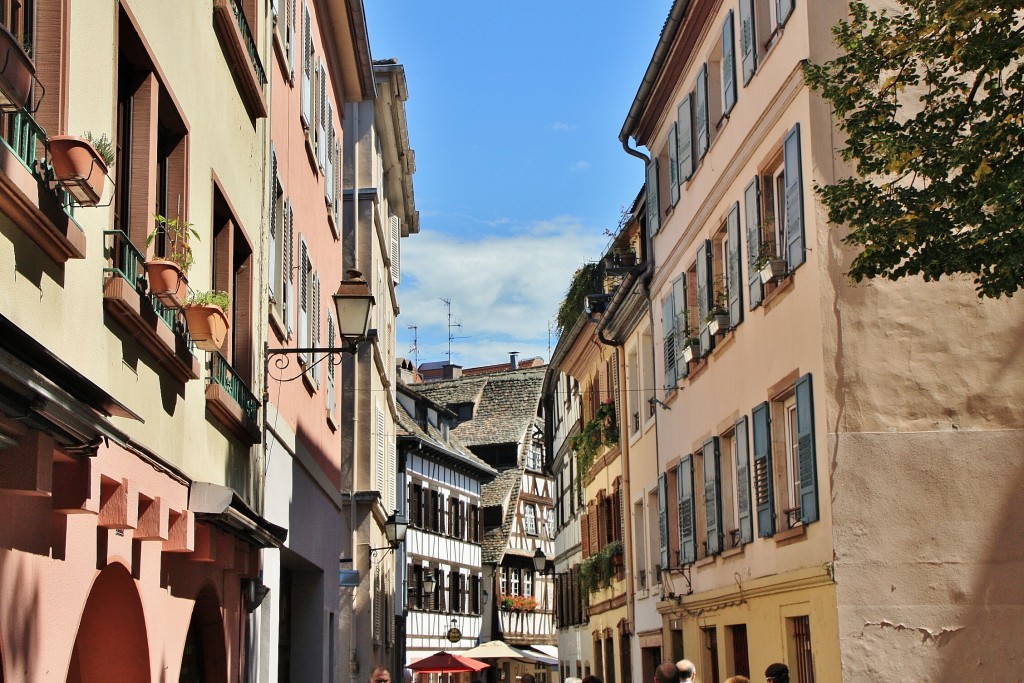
(505, 487)
(432, 438)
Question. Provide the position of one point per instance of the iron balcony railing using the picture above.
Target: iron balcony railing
(26, 139)
(130, 263)
(223, 374)
(250, 43)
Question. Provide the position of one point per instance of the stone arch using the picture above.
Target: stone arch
(112, 642)
(204, 657)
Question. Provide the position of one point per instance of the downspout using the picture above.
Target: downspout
(353, 517)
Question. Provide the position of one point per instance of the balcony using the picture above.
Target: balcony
(28, 194)
(230, 401)
(240, 50)
(160, 331)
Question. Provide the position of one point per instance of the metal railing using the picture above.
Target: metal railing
(223, 374)
(27, 140)
(130, 263)
(250, 43)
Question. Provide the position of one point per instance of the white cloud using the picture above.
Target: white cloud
(504, 288)
(560, 127)
(580, 166)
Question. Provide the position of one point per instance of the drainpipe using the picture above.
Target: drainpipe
(353, 517)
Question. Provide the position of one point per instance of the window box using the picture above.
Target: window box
(17, 75)
(207, 325)
(719, 323)
(167, 282)
(78, 167)
(773, 270)
(691, 351)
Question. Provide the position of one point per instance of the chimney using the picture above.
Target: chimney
(452, 371)
(512, 356)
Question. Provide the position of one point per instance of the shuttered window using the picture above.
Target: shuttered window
(288, 259)
(585, 535)
(806, 450)
(735, 274)
(713, 495)
(305, 294)
(748, 39)
(321, 115)
(653, 209)
(379, 452)
(673, 165)
(668, 308)
(663, 519)
(276, 225)
(728, 64)
(752, 217)
(702, 116)
(681, 323)
(395, 253)
(306, 94)
(795, 253)
(687, 523)
(705, 293)
(764, 487)
(330, 369)
(684, 126)
(745, 522)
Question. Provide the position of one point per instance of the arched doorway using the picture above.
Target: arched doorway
(111, 644)
(204, 658)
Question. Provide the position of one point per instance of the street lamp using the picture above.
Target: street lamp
(540, 561)
(394, 530)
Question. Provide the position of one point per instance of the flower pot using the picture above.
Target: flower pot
(207, 325)
(689, 353)
(167, 282)
(773, 270)
(78, 167)
(719, 323)
(17, 73)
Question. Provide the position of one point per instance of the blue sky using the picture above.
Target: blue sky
(514, 113)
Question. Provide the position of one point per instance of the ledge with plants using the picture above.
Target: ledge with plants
(80, 165)
(517, 603)
(206, 315)
(601, 430)
(717, 318)
(597, 571)
(168, 274)
(770, 267)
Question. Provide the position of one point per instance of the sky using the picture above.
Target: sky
(514, 113)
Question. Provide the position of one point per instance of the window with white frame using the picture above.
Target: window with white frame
(527, 583)
(530, 519)
(514, 581)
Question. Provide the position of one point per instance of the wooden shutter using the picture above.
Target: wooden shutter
(785, 8)
(379, 454)
(617, 520)
(594, 515)
(315, 325)
(806, 450)
(764, 487)
(795, 254)
(291, 37)
(748, 39)
(653, 210)
(681, 325)
(673, 165)
(701, 115)
(306, 92)
(394, 255)
(687, 526)
(705, 293)
(663, 519)
(684, 126)
(713, 495)
(415, 496)
(304, 295)
(272, 249)
(752, 214)
(735, 275)
(668, 308)
(745, 522)
(585, 535)
(439, 591)
(728, 64)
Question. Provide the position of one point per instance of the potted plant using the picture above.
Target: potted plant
(717, 318)
(691, 349)
(168, 274)
(80, 165)
(768, 264)
(206, 315)
(18, 72)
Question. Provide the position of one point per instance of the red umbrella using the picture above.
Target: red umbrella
(447, 662)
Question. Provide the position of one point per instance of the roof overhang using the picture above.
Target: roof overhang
(222, 507)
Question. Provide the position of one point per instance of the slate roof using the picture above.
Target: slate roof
(504, 487)
(452, 448)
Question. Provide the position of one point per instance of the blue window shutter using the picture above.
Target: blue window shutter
(752, 212)
(701, 116)
(806, 451)
(653, 210)
(745, 522)
(728, 64)
(663, 519)
(679, 296)
(705, 294)
(713, 495)
(673, 165)
(764, 488)
(748, 39)
(795, 254)
(684, 128)
(735, 275)
(668, 326)
(687, 525)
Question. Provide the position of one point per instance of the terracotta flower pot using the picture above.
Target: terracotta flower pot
(167, 282)
(78, 167)
(207, 325)
(17, 72)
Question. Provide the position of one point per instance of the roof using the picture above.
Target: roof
(449, 448)
(504, 487)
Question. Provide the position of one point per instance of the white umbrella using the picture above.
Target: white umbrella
(497, 649)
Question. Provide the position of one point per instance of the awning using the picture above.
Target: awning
(222, 507)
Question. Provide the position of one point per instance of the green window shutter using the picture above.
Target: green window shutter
(701, 115)
(705, 294)
(713, 495)
(653, 211)
(795, 253)
(748, 39)
(684, 129)
(728, 64)
(735, 275)
(673, 165)
(806, 451)
(663, 519)
(668, 308)
(785, 8)
(745, 522)
(679, 295)
(752, 213)
(687, 527)
(764, 489)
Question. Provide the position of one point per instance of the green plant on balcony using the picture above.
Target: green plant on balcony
(206, 315)
(210, 298)
(168, 274)
(102, 145)
(573, 303)
(517, 603)
(597, 571)
(600, 430)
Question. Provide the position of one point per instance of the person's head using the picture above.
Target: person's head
(666, 673)
(528, 678)
(737, 679)
(687, 671)
(380, 674)
(590, 679)
(777, 673)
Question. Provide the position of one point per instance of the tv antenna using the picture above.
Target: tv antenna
(414, 348)
(452, 324)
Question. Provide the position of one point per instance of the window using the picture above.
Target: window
(795, 468)
(684, 138)
(527, 583)
(656, 559)
(530, 519)
(701, 114)
(415, 505)
(736, 652)
(653, 209)
(676, 325)
(687, 516)
(533, 456)
(640, 544)
(307, 67)
(728, 65)
(709, 654)
(712, 496)
(673, 165)
(741, 496)
(798, 632)
(634, 401)
(513, 581)
(232, 273)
